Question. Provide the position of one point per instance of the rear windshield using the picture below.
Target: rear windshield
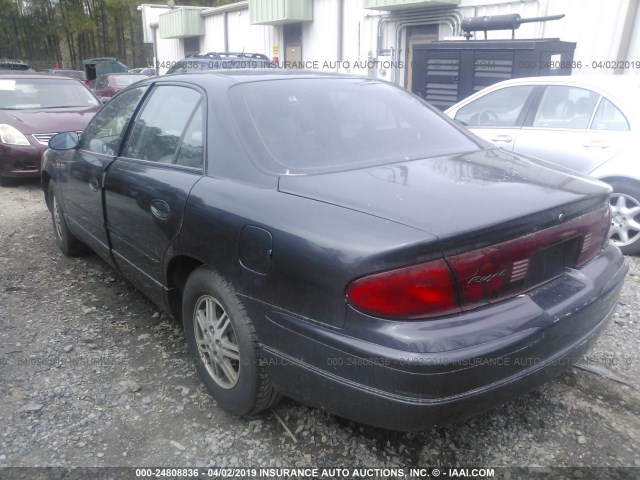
(31, 93)
(311, 125)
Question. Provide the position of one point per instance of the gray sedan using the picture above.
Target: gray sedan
(584, 123)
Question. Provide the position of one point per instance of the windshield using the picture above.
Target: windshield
(310, 125)
(32, 93)
(126, 80)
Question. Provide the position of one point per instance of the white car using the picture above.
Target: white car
(584, 123)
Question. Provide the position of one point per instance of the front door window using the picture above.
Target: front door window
(106, 131)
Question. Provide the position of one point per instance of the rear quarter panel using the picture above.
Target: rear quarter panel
(317, 250)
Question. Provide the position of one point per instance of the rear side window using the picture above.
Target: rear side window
(608, 117)
(501, 108)
(566, 107)
(310, 125)
(105, 132)
(191, 150)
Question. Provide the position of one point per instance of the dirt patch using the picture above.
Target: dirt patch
(91, 374)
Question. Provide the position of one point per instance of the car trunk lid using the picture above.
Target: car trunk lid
(505, 224)
(467, 201)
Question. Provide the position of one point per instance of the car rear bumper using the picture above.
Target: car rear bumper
(21, 161)
(415, 375)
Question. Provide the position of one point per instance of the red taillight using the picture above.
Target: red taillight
(471, 279)
(595, 226)
(418, 291)
(500, 271)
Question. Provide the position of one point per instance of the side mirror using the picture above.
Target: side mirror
(104, 99)
(64, 141)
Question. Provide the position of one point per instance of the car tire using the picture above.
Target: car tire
(223, 345)
(625, 216)
(67, 242)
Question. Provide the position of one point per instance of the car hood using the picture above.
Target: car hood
(466, 199)
(49, 120)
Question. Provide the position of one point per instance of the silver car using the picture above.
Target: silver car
(584, 123)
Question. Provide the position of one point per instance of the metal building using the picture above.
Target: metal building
(381, 37)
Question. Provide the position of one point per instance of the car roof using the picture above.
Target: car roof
(228, 55)
(10, 64)
(100, 59)
(606, 82)
(8, 71)
(47, 76)
(119, 73)
(253, 75)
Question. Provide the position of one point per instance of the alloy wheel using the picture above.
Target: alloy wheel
(625, 219)
(57, 221)
(217, 342)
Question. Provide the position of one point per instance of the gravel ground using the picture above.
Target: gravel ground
(91, 374)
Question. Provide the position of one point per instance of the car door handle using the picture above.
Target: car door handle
(502, 138)
(94, 185)
(160, 209)
(596, 144)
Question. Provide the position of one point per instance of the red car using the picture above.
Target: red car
(107, 85)
(33, 108)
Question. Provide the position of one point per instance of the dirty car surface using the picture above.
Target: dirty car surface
(336, 240)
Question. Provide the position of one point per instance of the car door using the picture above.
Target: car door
(497, 116)
(147, 186)
(574, 127)
(82, 180)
